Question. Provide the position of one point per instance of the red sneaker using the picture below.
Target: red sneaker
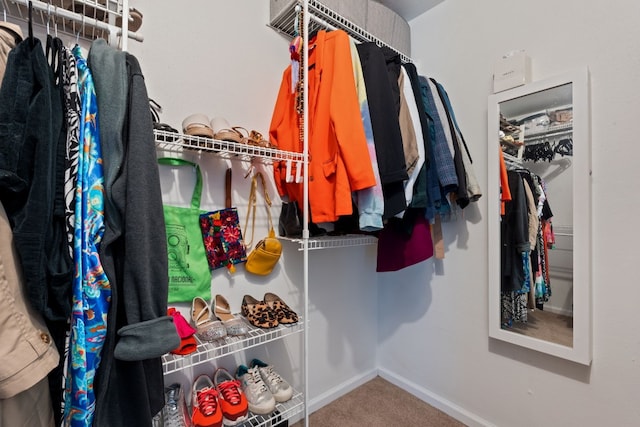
(206, 410)
(232, 400)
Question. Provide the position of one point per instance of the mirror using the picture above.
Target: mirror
(539, 216)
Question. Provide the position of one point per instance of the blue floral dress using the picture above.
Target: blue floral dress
(91, 289)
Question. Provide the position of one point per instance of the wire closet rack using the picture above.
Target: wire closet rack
(86, 19)
(323, 17)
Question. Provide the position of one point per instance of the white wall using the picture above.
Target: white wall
(433, 330)
(220, 58)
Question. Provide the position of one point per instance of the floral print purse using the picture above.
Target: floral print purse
(221, 234)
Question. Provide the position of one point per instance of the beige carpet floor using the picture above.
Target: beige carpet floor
(378, 403)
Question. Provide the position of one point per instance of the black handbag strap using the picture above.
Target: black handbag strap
(227, 189)
(197, 191)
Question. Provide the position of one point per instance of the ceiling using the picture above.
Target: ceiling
(409, 9)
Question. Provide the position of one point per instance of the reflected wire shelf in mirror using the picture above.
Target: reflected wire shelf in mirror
(558, 129)
(208, 351)
(181, 143)
(328, 242)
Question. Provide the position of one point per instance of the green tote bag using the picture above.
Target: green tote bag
(189, 274)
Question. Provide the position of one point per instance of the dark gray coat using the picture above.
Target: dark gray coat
(129, 383)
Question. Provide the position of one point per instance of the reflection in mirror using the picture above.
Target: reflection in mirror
(536, 226)
(539, 218)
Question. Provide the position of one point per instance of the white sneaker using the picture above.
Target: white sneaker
(279, 388)
(260, 399)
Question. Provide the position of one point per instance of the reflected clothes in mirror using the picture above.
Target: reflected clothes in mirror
(524, 275)
(533, 126)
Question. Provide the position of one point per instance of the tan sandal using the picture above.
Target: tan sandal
(197, 125)
(256, 138)
(223, 131)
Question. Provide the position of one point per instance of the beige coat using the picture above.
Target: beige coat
(10, 34)
(27, 353)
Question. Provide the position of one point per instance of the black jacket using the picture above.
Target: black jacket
(383, 96)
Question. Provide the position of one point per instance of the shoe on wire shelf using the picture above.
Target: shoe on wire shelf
(206, 409)
(279, 388)
(232, 400)
(175, 412)
(260, 399)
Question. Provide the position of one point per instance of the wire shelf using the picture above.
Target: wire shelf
(286, 410)
(328, 242)
(89, 19)
(548, 131)
(180, 143)
(208, 351)
(322, 17)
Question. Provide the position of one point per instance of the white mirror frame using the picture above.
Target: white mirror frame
(581, 352)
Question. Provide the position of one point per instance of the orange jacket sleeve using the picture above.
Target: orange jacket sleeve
(281, 132)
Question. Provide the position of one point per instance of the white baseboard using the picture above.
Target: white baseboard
(433, 399)
(340, 390)
(468, 418)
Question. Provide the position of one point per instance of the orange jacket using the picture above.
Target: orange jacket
(505, 192)
(338, 154)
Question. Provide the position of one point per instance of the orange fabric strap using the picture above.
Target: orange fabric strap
(436, 236)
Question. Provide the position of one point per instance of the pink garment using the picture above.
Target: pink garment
(397, 249)
(183, 327)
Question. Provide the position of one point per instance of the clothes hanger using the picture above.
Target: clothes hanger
(80, 29)
(48, 18)
(31, 39)
(49, 50)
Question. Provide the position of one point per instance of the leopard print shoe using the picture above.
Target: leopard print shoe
(258, 313)
(284, 314)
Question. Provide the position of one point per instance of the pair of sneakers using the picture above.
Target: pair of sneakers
(219, 401)
(263, 386)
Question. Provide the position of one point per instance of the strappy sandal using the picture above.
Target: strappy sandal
(258, 313)
(223, 131)
(135, 20)
(197, 125)
(233, 324)
(284, 314)
(256, 138)
(156, 109)
(206, 328)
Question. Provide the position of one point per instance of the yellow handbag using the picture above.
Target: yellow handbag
(264, 257)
